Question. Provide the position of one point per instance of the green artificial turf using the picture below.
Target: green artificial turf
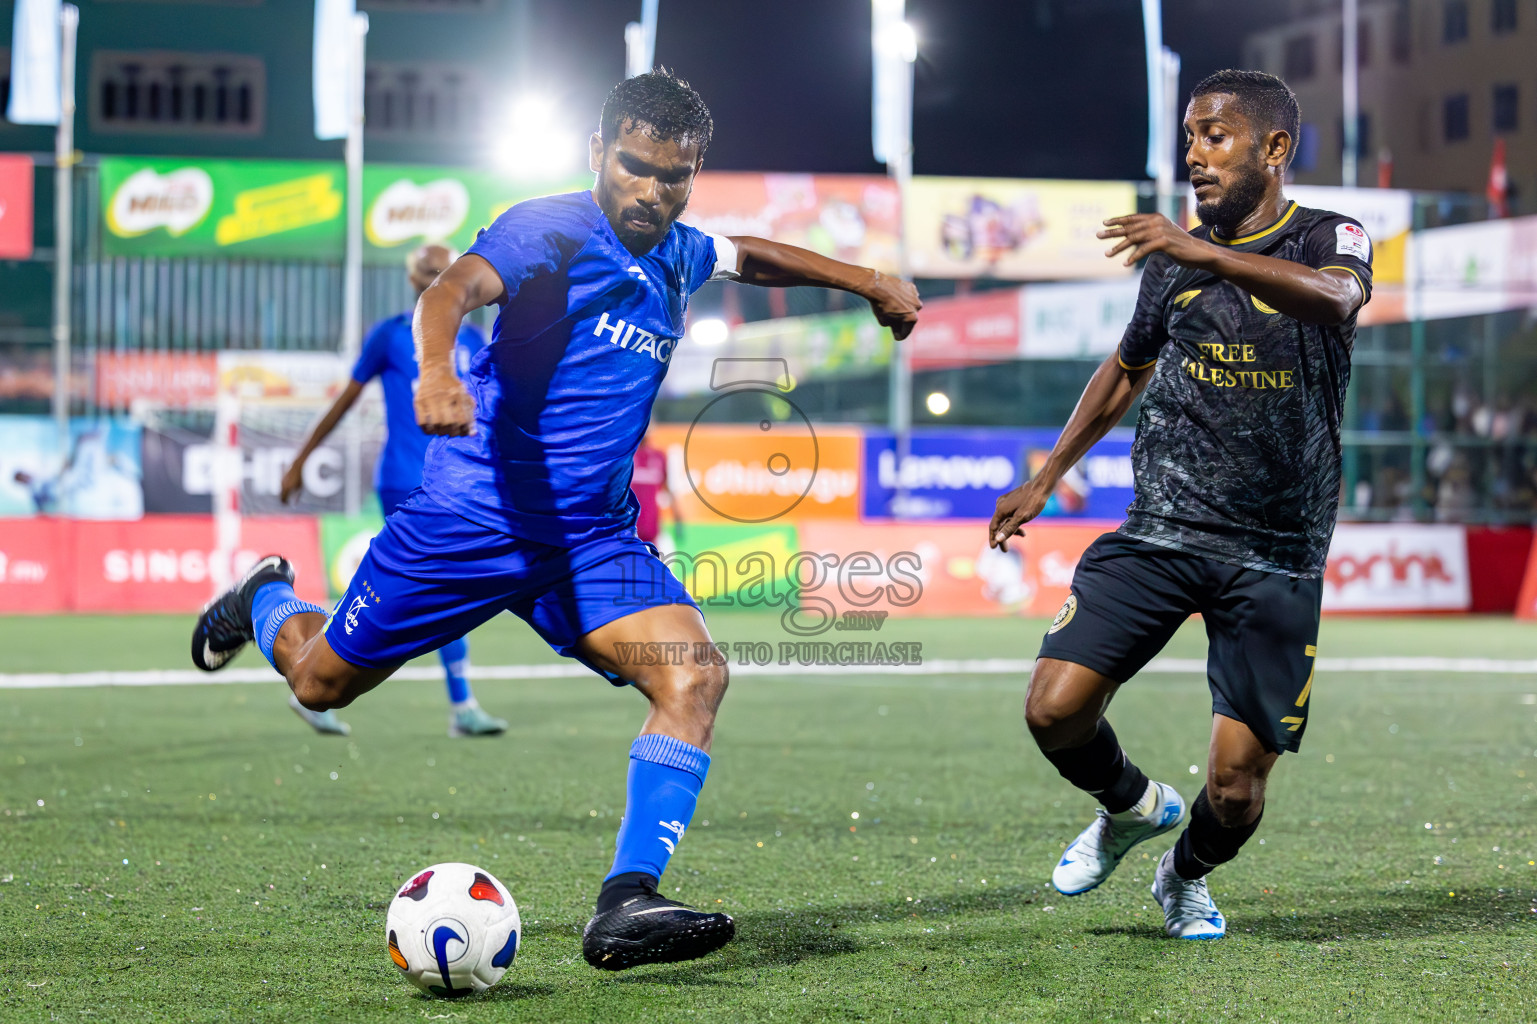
(185, 854)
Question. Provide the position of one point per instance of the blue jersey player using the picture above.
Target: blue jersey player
(389, 353)
(525, 502)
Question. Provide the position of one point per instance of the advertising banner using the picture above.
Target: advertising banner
(959, 474)
(404, 206)
(749, 475)
(156, 564)
(303, 376)
(1470, 269)
(15, 206)
(809, 346)
(1526, 601)
(295, 209)
(1397, 567)
(959, 331)
(179, 465)
(731, 565)
(97, 479)
(1077, 320)
(850, 217)
(942, 569)
(1013, 229)
(170, 563)
(170, 379)
(260, 208)
(35, 562)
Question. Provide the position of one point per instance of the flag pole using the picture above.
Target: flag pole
(352, 309)
(64, 225)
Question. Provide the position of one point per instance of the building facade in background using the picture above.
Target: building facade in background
(231, 78)
(1440, 81)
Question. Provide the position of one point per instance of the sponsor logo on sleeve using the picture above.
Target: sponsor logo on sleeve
(1351, 240)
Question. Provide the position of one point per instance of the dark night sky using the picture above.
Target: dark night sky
(1008, 88)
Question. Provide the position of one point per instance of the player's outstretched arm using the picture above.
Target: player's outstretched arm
(776, 265)
(1105, 400)
(1326, 296)
(293, 476)
(443, 406)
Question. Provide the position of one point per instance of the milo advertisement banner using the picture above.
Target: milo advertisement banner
(295, 209)
(406, 206)
(260, 208)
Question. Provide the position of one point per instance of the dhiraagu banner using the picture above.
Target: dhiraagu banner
(296, 209)
(261, 208)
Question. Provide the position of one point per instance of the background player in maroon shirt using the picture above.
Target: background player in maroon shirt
(649, 483)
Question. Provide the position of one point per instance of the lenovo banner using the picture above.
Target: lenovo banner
(1397, 567)
(959, 474)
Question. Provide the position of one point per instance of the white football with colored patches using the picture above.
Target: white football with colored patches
(453, 929)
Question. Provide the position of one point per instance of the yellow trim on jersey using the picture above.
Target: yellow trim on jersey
(1258, 234)
(1127, 366)
(1352, 273)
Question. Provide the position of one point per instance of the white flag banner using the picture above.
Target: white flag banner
(333, 67)
(35, 63)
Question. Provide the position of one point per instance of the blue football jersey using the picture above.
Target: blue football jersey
(563, 393)
(389, 353)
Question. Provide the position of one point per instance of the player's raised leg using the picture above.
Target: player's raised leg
(263, 607)
(1065, 710)
(634, 925)
(1224, 816)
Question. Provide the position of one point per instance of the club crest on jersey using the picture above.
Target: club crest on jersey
(634, 339)
(353, 611)
(1065, 613)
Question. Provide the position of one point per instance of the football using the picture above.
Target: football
(453, 929)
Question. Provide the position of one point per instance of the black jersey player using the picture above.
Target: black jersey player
(1240, 345)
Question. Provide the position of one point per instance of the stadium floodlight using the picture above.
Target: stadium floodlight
(532, 142)
(938, 403)
(899, 41)
(709, 332)
(894, 48)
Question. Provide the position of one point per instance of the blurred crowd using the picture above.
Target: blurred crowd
(1480, 459)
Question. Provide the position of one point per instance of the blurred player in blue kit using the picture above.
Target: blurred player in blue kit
(525, 502)
(389, 353)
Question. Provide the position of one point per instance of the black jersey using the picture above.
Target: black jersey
(1237, 454)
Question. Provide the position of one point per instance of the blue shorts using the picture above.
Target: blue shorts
(431, 576)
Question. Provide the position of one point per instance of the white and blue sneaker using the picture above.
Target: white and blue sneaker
(1090, 859)
(1188, 912)
(324, 722)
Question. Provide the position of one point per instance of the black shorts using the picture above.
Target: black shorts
(1129, 596)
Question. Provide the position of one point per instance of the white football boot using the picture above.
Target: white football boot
(1089, 859)
(1188, 912)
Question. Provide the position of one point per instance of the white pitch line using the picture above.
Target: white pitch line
(934, 667)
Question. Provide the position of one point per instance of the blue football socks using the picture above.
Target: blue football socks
(271, 606)
(456, 663)
(666, 775)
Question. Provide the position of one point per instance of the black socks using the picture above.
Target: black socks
(1101, 769)
(1206, 842)
(622, 887)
